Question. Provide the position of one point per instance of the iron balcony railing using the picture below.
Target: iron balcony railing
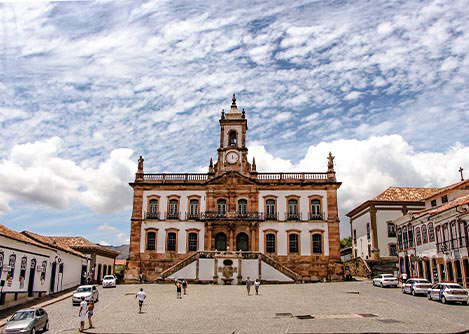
(449, 245)
(214, 215)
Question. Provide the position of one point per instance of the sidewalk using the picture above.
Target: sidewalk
(6, 314)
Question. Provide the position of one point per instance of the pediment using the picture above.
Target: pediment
(231, 177)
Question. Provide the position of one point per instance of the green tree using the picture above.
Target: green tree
(346, 242)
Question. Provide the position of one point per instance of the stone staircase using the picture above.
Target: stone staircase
(245, 255)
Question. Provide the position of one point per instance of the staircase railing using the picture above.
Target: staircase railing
(246, 255)
(284, 270)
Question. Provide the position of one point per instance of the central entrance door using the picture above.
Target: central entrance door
(32, 274)
(242, 242)
(52, 277)
(220, 241)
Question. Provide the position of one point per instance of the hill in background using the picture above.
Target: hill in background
(122, 249)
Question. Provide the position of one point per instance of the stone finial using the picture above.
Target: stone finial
(244, 114)
(254, 167)
(233, 104)
(460, 171)
(223, 114)
(140, 164)
(330, 163)
(210, 167)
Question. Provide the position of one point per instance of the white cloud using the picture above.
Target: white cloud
(35, 172)
(367, 167)
(352, 95)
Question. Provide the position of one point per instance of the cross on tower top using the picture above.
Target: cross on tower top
(460, 171)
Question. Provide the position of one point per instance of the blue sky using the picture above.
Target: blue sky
(86, 87)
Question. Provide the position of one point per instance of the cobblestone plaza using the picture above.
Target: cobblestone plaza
(296, 308)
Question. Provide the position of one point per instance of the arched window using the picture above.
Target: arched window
(151, 241)
(153, 206)
(193, 208)
(221, 207)
(242, 207)
(293, 209)
(411, 236)
(418, 236)
(270, 211)
(431, 232)
(405, 238)
(171, 242)
(12, 264)
(317, 243)
(270, 243)
(232, 138)
(399, 238)
(424, 234)
(173, 208)
(192, 242)
(293, 243)
(315, 209)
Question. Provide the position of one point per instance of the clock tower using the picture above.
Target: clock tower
(232, 153)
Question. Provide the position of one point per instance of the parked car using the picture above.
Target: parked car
(109, 281)
(384, 280)
(28, 321)
(416, 286)
(90, 292)
(448, 292)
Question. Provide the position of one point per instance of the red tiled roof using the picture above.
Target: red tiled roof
(452, 186)
(451, 204)
(81, 244)
(405, 194)
(50, 241)
(121, 262)
(6, 232)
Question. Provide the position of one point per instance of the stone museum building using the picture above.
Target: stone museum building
(234, 222)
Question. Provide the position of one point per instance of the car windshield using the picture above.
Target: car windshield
(422, 281)
(87, 289)
(388, 276)
(22, 315)
(109, 277)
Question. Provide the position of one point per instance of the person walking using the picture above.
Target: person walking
(90, 312)
(184, 286)
(248, 286)
(257, 284)
(141, 297)
(178, 289)
(82, 313)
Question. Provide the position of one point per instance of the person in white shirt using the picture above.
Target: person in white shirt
(257, 284)
(141, 297)
(82, 313)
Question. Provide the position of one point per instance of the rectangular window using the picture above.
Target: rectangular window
(317, 244)
(433, 202)
(392, 250)
(270, 209)
(151, 241)
(270, 243)
(391, 230)
(444, 199)
(194, 208)
(293, 243)
(192, 242)
(171, 242)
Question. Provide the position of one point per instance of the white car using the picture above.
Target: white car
(384, 280)
(448, 292)
(90, 292)
(109, 281)
(416, 286)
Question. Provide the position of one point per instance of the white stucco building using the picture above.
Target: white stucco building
(30, 268)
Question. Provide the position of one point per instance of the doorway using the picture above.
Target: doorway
(449, 268)
(242, 242)
(428, 273)
(220, 241)
(458, 271)
(32, 274)
(52, 277)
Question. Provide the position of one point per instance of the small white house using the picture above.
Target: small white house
(30, 268)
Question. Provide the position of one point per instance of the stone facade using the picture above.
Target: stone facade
(290, 217)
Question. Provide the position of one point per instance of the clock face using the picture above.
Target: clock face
(232, 157)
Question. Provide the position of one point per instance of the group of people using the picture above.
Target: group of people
(256, 284)
(86, 309)
(180, 284)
